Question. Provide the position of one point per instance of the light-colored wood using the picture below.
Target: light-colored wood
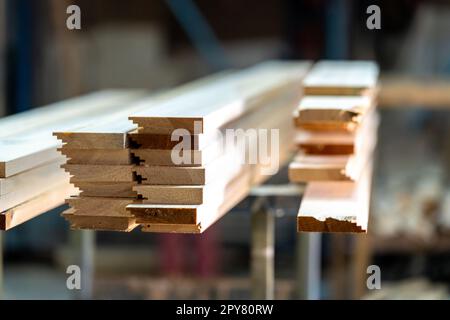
(107, 189)
(97, 206)
(334, 112)
(171, 175)
(50, 173)
(336, 206)
(338, 142)
(248, 102)
(18, 155)
(99, 173)
(39, 181)
(158, 157)
(210, 107)
(398, 91)
(97, 156)
(36, 206)
(26, 139)
(123, 224)
(341, 78)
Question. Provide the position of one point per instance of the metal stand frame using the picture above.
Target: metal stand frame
(308, 253)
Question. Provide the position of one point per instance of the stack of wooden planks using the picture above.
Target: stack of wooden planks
(336, 124)
(174, 169)
(31, 182)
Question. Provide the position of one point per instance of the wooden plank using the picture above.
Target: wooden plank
(337, 142)
(18, 155)
(338, 112)
(198, 215)
(107, 189)
(40, 204)
(336, 206)
(399, 91)
(99, 173)
(19, 150)
(185, 194)
(211, 107)
(49, 172)
(27, 191)
(111, 131)
(341, 78)
(158, 157)
(50, 117)
(97, 156)
(99, 206)
(122, 224)
(172, 175)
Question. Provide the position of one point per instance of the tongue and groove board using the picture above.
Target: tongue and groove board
(36, 206)
(259, 97)
(337, 142)
(336, 206)
(26, 139)
(201, 111)
(336, 124)
(338, 113)
(346, 78)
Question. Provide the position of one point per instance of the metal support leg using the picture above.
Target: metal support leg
(262, 251)
(87, 263)
(309, 265)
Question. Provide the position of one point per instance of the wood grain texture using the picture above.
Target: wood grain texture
(212, 106)
(112, 189)
(97, 156)
(341, 78)
(336, 206)
(100, 206)
(31, 184)
(26, 139)
(332, 112)
(38, 205)
(84, 222)
(99, 173)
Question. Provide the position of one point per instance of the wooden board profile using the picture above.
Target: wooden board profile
(97, 156)
(161, 157)
(41, 180)
(26, 139)
(36, 206)
(100, 206)
(332, 112)
(33, 179)
(99, 173)
(341, 78)
(336, 206)
(85, 222)
(191, 218)
(337, 142)
(185, 194)
(210, 107)
(171, 175)
(107, 189)
(18, 155)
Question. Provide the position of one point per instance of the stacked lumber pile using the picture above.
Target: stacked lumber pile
(148, 185)
(336, 124)
(31, 182)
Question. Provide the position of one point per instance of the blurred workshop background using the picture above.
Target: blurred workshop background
(160, 44)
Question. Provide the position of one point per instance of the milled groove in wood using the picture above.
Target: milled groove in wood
(135, 159)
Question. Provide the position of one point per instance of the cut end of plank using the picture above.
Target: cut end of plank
(311, 224)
